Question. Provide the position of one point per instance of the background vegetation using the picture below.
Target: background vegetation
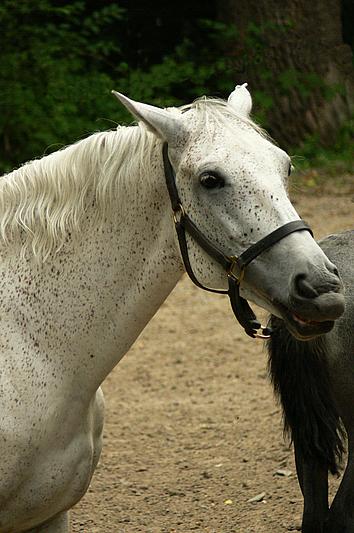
(60, 59)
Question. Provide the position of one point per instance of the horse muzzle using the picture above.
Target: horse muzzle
(316, 300)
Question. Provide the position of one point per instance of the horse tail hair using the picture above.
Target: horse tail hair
(300, 376)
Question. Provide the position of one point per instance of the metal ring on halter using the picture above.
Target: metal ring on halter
(262, 335)
(178, 212)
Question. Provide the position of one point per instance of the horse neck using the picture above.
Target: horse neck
(104, 284)
(135, 249)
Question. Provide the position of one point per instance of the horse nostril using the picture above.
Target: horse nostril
(303, 288)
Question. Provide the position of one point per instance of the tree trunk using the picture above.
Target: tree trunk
(298, 68)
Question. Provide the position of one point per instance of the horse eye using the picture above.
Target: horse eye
(211, 181)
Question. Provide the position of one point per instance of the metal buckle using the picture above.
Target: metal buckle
(178, 213)
(230, 271)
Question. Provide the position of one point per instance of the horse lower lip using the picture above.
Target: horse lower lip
(304, 329)
(304, 321)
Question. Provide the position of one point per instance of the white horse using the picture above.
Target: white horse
(89, 253)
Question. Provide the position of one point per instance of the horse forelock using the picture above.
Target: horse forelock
(215, 112)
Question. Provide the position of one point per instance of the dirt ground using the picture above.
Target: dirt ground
(192, 429)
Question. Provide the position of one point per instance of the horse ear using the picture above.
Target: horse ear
(240, 99)
(158, 121)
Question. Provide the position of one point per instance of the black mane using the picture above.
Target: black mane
(300, 376)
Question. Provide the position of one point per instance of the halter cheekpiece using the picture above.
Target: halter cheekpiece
(234, 266)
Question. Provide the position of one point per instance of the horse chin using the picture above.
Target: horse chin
(304, 329)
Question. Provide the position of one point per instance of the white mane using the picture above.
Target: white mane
(45, 199)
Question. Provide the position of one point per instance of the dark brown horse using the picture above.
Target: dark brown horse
(314, 380)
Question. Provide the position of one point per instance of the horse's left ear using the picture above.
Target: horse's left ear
(240, 99)
(159, 121)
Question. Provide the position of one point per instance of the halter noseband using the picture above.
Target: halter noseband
(233, 265)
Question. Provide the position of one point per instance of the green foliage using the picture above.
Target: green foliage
(306, 83)
(55, 65)
(60, 59)
(337, 159)
(60, 62)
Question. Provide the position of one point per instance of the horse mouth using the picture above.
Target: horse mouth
(304, 329)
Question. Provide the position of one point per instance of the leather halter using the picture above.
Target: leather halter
(234, 266)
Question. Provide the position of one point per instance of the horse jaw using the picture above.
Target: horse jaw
(160, 122)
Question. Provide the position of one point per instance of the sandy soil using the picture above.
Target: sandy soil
(192, 430)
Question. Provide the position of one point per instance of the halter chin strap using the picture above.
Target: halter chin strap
(234, 266)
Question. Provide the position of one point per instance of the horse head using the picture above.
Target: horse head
(232, 181)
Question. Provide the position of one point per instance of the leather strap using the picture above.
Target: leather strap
(170, 179)
(253, 251)
(205, 243)
(181, 234)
